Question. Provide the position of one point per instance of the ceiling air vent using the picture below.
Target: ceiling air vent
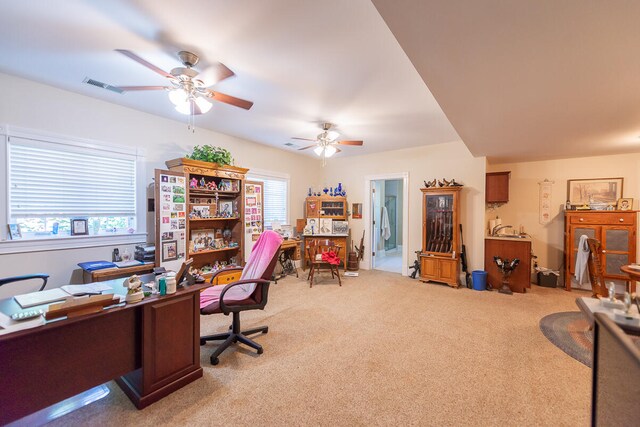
(96, 83)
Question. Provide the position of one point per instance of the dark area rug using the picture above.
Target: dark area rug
(569, 331)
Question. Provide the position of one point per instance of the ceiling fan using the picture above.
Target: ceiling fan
(326, 141)
(189, 89)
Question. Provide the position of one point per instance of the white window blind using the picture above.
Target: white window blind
(276, 199)
(48, 179)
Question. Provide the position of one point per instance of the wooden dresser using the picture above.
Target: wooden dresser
(616, 231)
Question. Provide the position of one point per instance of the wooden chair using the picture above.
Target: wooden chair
(596, 272)
(315, 249)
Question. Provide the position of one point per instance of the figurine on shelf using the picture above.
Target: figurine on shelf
(309, 193)
(203, 183)
(325, 190)
(193, 183)
(331, 191)
(212, 186)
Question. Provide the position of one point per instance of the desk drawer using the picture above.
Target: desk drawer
(604, 218)
(225, 279)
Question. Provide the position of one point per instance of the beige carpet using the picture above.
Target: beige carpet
(380, 350)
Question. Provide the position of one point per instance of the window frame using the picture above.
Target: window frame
(261, 175)
(44, 243)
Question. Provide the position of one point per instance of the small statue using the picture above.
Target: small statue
(506, 267)
(627, 302)
(441, 183)
(134, 289)
(453, 183)
(430, 184)
(203, 183)
(611, 288)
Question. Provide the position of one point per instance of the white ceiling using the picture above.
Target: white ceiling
(528, 80)
(300, 62)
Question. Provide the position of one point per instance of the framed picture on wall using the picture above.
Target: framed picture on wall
(79, 227)
(599, 190)
(169, 250)
(356, 211)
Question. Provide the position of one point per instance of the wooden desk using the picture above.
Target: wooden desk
(115, 273)
(151, 348)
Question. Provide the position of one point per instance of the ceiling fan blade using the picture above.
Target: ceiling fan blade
(338, 150)
(308, 146)
(228, 99)
(141, 61)
(350, 142)
(303, 139)
(215, 73)
(130, 88)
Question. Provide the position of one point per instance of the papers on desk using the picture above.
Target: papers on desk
(41, 297)
(89, 289)
(8, 325)
(60, 294)
(124, 264)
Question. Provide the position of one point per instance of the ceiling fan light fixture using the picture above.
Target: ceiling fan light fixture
(203, 104)
(329, 151)
(318, 150)
(184, 108)
(178, 96)
(332, 135)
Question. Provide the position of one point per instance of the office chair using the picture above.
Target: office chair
(315, 251)
(44, 278)
(248, 293)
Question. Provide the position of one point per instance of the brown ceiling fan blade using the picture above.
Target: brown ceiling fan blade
(350, 142)
(231, 100)
(215, 73)
(141, 61)
(303, 139)
(338, 150)
(308, 146)
(131, 88)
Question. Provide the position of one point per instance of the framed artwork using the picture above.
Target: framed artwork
(14, 232)
(170, 250)
(600, 190)
(356, 211)
(79, 227)
(625, 204)
(225, 208)
(326, 225)
(340, 227)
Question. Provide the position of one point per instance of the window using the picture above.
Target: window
(52, 181)
(276, 197)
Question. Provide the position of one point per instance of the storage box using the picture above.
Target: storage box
(548, 279)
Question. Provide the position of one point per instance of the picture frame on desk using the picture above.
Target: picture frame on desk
(625, 204)
(79, 227)
(14, 232)
(340, 227)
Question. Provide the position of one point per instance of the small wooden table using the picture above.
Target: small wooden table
(634, 275)
(116, 273)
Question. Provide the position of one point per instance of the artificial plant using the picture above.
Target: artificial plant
(209, 153)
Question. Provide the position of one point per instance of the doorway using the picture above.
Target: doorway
(386, 222)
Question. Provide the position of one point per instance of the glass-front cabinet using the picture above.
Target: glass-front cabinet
(616, 232)
(440, 238)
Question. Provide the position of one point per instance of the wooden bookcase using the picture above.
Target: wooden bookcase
(616, 231)
(439, 260)
(215, 210)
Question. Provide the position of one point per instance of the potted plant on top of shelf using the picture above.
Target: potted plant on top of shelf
(211, 154)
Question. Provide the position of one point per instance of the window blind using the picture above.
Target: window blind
(48, 179)
(275, 199)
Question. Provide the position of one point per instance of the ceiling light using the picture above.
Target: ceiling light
(318, 150)
(184, 108)
(332, 135)
(178, 97)
(329, 151)
(203, 104)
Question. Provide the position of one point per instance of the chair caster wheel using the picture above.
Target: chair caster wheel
(260, 351)
(202, 342)
(215, 361)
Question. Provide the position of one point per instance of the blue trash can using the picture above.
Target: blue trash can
(479, 280)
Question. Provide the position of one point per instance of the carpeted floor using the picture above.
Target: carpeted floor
(380, 350)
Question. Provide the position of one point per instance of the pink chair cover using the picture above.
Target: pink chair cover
(261, 255)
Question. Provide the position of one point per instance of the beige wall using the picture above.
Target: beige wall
(450, 160)
(31, 105)
(522, 209)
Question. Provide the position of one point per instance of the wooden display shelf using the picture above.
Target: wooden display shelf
(211, 193)
(210, 251)
(235, 218)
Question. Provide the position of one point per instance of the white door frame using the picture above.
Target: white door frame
(368, 216)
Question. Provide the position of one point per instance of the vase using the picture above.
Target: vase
(326, 190)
